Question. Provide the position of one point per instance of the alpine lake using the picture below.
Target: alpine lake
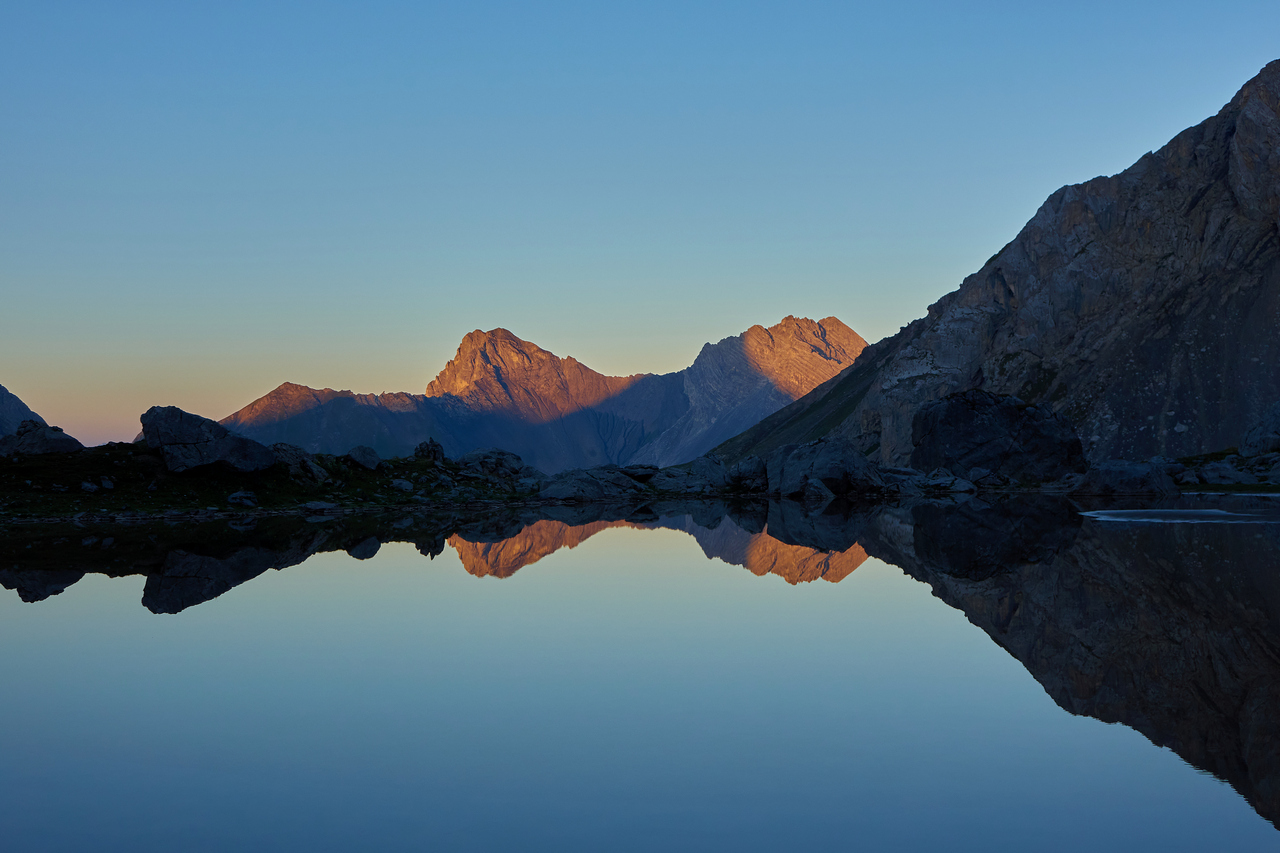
(1026, 674)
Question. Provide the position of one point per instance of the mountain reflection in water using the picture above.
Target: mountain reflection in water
(1169, 628)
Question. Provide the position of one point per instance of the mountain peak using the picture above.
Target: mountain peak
(498, 371)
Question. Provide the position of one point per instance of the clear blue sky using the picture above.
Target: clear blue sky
(200, 201)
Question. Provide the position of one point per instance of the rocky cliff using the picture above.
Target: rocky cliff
(735, 383)
(1143, 306)
(557, 413)
(13, 412)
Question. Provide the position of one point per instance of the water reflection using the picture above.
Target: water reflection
(1123, 614)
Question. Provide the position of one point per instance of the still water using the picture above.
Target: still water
(610, 686)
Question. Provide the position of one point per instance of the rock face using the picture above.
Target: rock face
(13, 412)
(1142, 306)
(556, 413)
(34, 437)
(188, 441)
(1000, 435)
(734, 384)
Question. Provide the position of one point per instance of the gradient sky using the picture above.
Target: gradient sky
(200, 201)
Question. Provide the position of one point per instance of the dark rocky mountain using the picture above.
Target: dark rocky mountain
(13, 412)
(1144, 307)
(557, 413)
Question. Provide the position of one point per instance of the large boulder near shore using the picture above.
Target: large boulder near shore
(34, 437)
(187, 441)
(1000, 435)
(1264, 435)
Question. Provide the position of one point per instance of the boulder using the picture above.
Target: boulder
(1264, 435)
(1002, 435)
(495, 463)
(1224, 473)
(34, 437)
(365, 457)
(591, 484)
(242, 498)
(749, 474)
(822, 468)
(302, 465)
(188, 441)
(704, 475)
(1117, 477)
(429, 450)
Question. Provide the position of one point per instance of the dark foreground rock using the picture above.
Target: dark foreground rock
(188, 441)
(34, 437)
(993, 434)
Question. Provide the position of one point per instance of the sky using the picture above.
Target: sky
(200, 201)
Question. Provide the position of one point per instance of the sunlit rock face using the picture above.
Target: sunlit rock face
(1142, 306)
(735, 383)
(498, 372)
(557, 413)
(13, 412)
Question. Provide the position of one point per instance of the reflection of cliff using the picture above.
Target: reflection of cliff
(1173, 630)
(504, 558)
(1168, 629)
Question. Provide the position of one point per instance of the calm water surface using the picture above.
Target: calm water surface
(625, 694)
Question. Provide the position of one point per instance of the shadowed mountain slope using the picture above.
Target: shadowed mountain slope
(557, 413)
(1143, 306)
(13, 412)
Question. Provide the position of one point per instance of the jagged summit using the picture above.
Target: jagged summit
(497, 371)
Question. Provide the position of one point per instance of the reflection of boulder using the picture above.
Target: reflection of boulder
(976, 540)
(38, 585)
(187, 579)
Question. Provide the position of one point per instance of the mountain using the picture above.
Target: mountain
(557, 413)
(13, 412)
(1143, 306)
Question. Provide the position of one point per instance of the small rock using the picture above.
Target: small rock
(402, 485)
(89, 487)
(429, 450)
(242, 498)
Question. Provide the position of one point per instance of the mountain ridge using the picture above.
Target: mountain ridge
(557, 413)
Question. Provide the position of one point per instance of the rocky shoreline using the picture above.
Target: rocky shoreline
(971, 443)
